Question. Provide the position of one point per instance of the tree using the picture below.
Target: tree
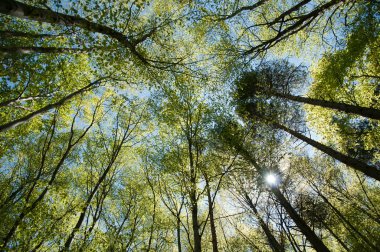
(260, 108)
(277, 79)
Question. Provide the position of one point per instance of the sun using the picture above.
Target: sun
(271, 179)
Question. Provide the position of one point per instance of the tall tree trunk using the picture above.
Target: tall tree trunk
(195, 223)
(214, 238)
(21, 10)
(92, 193)
(315, 241)
(369, 170)
(154, 214)
(179, 234)
(194, 200)
(45, 109)
(335, 235)
(274, 244)
(352, 109)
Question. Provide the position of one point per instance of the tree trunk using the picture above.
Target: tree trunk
(21, 10)
(92, 193)
(352, 109)
(301, 224)
(214, 238)
(315, 241)
(194, 200)
(179, 234)
(274, 244)
(335, 235)
(45, 109)
(369, 170)
(343, 218)
(195, 223)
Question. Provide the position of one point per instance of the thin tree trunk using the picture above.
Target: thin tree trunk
(92, 193)
(301, 224)
(214, 238)
(335, 236)
(352, 109)
(369, 170)
(179, 234)
(194, 201)
(341, 216)
(315, 241)
(154, 215)
(21, 99)
(45, 109)
(21, 10)
(274, 244)
(195, 223)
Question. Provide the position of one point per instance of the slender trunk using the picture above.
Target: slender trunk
(153, 217)
(352, 109)
(335, 235)
(179, 234)
(369, 170)
(348, 223)
(274, 244)
(45, 109)
(89, 198)
(214, 238)
(21, 10)
(195, 223)
(315, 241)
(194, 201)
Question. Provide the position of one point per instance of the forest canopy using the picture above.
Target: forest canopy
(168, 125)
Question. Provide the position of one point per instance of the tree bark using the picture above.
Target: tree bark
(352, 109)
(369, 170)
(21, 10)
(315, 241)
